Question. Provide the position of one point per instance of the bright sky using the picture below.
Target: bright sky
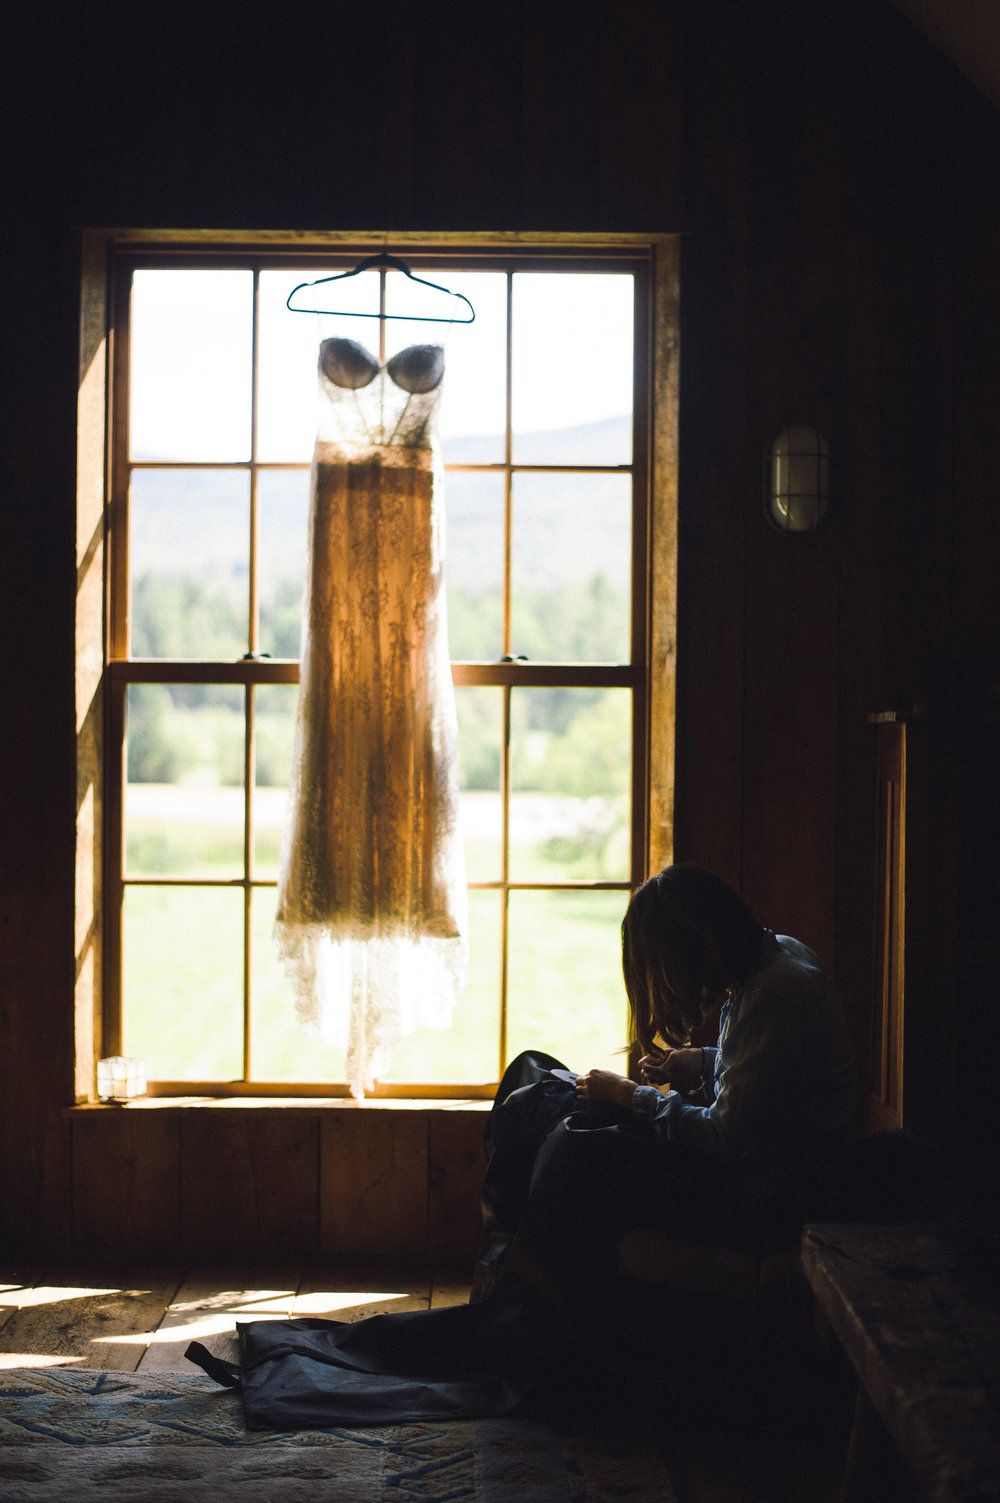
(191, 355)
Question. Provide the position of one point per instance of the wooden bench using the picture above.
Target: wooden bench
(918, 1316)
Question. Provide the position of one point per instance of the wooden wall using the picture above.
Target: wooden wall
(336, 1180)
(835, 182)
(842, 268)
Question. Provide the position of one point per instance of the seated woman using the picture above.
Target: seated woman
(578, 1159)
(778, 1091)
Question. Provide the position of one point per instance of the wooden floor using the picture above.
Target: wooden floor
(141, 1319)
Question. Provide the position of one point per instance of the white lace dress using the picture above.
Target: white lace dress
(371, 918)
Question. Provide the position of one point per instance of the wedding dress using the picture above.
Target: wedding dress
(371, 919)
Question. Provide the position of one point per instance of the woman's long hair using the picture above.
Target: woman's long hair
(686, 937)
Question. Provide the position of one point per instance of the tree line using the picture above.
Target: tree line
(566, 740)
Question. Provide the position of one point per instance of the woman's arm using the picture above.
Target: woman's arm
(682, 1067)
(606, 1086)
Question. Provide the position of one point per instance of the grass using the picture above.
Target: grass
(184, 956)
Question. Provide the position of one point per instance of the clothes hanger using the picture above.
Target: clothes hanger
(383, 258)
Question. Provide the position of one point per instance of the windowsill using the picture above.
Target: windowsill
(283, 1103)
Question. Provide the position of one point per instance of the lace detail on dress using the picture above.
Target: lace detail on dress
(371, 890)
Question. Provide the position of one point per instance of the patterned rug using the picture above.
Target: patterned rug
(72, 1435)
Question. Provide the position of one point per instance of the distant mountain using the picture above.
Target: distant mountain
(194, 523)
(606, 442)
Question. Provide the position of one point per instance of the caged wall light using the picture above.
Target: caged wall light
(797, 480)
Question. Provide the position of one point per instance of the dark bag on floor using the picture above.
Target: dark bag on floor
(387, 1370)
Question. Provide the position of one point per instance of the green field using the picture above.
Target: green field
(184, 946)
(184, 952)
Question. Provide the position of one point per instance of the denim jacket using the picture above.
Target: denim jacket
(781, 1085)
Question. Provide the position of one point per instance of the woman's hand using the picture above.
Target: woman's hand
(682, 1067)
(605, 1086)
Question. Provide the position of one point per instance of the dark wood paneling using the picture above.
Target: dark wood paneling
(898, 356)
(640, 146)
(249, 1182)
(560, 105)
(374, 1184)
(897, 362)
(348, 90)
(127, 1182)
(466, 115)
(456, 1163)
(37, 755)
(790, 646)
(237, 1181)
(35, 1083)
(138, 83)
(790, 749)
(976, 394)
(713, 448)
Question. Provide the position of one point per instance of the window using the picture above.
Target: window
(546, 433)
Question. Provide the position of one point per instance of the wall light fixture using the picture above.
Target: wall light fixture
(797, 480)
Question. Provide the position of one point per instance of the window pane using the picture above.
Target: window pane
(189, 572)
(572, 368)
(469, 1050)
(191, 364)
(565, 993)
(183, 981)
(287, 383)
(184, 790)
(474, 395)
(570, 567)
(480, 734)
(190, 559)
(570, 765)
(281, 1048)
(474, 565)
(274, 736)
(282, 546)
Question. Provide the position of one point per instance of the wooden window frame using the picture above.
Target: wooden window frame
(105, 669)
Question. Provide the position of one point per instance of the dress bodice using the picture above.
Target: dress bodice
(369, 404)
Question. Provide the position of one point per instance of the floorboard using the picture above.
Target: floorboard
(94, 1317)
(135, 1318)
(207, 1308)
(143, 1318)
(354, 1293)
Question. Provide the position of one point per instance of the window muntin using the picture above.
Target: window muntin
(550, 852)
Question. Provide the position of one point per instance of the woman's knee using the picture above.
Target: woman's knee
(606, 1163)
